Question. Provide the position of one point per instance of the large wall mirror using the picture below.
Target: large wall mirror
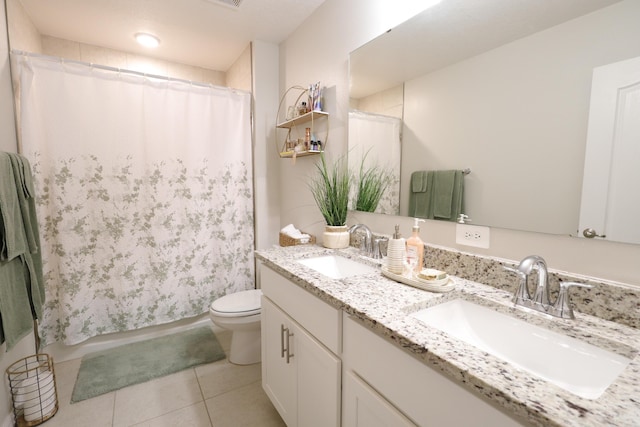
(503, 89)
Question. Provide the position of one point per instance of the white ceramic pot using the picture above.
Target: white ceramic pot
(335, 237)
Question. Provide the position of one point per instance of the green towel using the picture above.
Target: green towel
(419, 181)
(447, 194)
(15, 307)
(22, 177)
(21, 280)
(421, 184)
(12, 237)
(440, 194)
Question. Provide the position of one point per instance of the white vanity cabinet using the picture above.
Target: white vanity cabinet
(301, 336)
(365, 407)
(385, 386)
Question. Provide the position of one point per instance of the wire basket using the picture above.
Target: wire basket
(286, 240)
(32, 381)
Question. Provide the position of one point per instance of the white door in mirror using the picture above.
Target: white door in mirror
(610, 205)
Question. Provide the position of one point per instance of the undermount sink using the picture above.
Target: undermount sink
(574, 365)
(337, 267)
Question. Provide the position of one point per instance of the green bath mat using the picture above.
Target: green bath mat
(134, 363)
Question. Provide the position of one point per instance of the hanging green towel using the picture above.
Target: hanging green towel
(21, 279)
(15, 307)
(420, 194)
(419, 181)
(22, 177)
(436, 194)
(447, 194)
(33, 257)
(12, 237)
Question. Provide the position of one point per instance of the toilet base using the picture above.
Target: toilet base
(245, 347)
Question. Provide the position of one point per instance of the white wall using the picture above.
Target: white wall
(8, 142)
(517, 117)
(265, 96)
(319, 50)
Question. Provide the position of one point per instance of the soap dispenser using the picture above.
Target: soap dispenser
(396, 251)
(415, 247)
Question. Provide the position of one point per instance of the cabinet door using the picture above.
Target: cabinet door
(364, 407)
(278, 376)
(319, 384)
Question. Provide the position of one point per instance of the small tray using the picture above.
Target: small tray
(418, 283)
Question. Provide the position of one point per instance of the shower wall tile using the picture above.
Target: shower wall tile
(23, 35)
(114, 58)
(239, 74)
(214, 77)
(388, 102)
(147, 65)
(59, 47)
(102, 55)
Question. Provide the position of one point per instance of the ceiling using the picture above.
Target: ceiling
(453, 31)
(203, 33)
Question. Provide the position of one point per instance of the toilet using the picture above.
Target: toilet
(240, 313)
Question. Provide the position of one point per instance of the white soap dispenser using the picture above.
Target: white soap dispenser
(396, 252)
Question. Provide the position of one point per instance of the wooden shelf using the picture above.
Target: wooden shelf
(289, 154)
(305, 118)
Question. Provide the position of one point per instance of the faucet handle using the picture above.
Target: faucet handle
(562, 308)
(513, 270)
(521, 296)
(379, 247)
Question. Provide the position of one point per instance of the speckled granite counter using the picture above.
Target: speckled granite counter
(383, 305)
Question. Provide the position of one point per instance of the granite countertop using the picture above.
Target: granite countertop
(383, 305)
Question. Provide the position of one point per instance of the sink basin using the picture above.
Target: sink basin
(574, 365)
(337, 267)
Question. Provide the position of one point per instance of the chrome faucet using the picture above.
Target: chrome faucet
(540, 301)
(366, 245)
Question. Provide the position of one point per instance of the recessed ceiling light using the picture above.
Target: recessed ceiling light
(147, 40)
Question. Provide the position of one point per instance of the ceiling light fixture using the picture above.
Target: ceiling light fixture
(147, 40)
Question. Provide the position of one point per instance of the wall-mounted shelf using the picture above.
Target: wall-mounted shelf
(305, 118)
(296, 128)
(289, 154)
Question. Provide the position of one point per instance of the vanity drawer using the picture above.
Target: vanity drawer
(320, 319)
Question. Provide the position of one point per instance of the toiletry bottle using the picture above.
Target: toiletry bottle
(415, 247)
(396, 253)
(307, 139)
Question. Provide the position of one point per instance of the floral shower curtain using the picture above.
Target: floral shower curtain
(144, 195)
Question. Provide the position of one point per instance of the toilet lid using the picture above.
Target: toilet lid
(243, 303)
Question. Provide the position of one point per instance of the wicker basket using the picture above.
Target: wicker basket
(290, 241)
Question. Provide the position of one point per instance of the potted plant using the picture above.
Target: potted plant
(330, 189)
(370, 186)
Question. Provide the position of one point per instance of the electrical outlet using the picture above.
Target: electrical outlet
(473, 235)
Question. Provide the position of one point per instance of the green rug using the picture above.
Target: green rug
(134, 363)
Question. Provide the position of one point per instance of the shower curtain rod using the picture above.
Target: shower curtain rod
(121, 70)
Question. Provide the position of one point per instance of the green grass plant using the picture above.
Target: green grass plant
(330, 189)
(371, 185)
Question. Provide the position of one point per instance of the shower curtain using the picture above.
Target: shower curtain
(144, 195)
(377, 137)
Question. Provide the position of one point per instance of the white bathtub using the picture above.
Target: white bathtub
(61, 352)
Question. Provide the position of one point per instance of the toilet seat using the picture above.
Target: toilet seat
(238, 304)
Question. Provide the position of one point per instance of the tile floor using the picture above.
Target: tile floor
(219, 394)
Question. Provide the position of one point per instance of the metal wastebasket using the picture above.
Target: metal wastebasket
(32, 382)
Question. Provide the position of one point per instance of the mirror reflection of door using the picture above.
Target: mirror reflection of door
(610, 206)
